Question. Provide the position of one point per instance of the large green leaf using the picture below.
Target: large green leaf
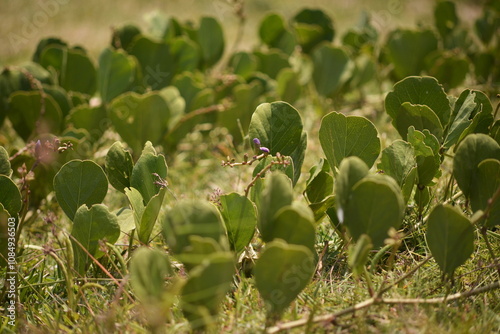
(374, 206)
(279, 127)
(421, 117)
(10, 197)
(205, 290)
(277, 194)
(119, 166)
(32, 114)
(240, 218)
(330, 66)
(79, 182)
(450, 237)
(407, 49)
(312, 26)
(343, 136)
(143, 176)
(473, 150)
(74, 68)
(488, 182)
(89, 227)
(424, 91)
(117, 74)
(281, 273)
(191, 218)
(187, 54)
(294, 226)
(148, 270)
(211, 39)
(140, 118)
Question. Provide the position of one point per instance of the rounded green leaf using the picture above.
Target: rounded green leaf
(425, 91)
(374, 206)
(211, 40)
(450, 69)
(79, 182)
(473, 150)
(289, 89)
(294, 226)
(343, 136)
(279, 127)
(4, 162)
(421, 117)
(123, 36)
(92, 119)
(281, 273)
(445, 17)
(275, 34)
(330, 66)
(10, 197)
(148, 270)
(488, 182)
(398, 160)
(426, 148)
(139, 118)
(240, 218)
(312, 26)
(89, 227)
(119, 166)
(351, 171)
(450, 237)
(271, 62)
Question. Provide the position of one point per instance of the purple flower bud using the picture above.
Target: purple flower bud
(256, 141)
(264, 149)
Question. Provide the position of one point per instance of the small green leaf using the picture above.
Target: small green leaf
(148, 270)
(473, 150)
(281, 273)
(4, 162)
(330, 66)
(149, 217)
(343, 136)
(351, 171)
(450, 237)
(275, 34)
(277, 194)
(240, 218)
(10, 197)
(123, 36)
(426, 147)
(79, 182)
(320, 183)
(421, 117)
(205, 290)
(271, 62)
(398, 160)
(119, 166)
(143, 178)
(89, 227)
(358, 254)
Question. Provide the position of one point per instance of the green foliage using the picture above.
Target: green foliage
(10, 197)
(210, 37)
(274, 32)
(312, 26)
(119, 166)
(79, 182)
(330, 68)
(5, 167)
(343, 136)
(450, 237)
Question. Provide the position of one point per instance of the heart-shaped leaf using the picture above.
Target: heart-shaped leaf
(281, 273)
(140, 118)
(150, 169)
(89, 227)
(240, 218)
(119, 166)
(473, 150)
(79, 182)
(450, 237)
(424, 91)
(279, 127)
(343, 136)
(10, 197)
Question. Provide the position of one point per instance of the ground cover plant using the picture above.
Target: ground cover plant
(316, 183)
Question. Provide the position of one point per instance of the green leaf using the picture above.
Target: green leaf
(343, 136)
(373, 207)
(4, 236)
(461, 117)
(425, 91)
(320, 183)
(330, 68)
(123, 36)
(92, 119)
(205, 290)
(279, 127)
(272, 62)
(275, 34)
(140, 118)
(426, 147)
(488, 182)
(448, 68)
(191, 218)
(143, 178)
(482, 116)
(398, 160)
(294, 226)
(445, 17)
(240, 218)
(5, 168)
(312, 26)
(25, 114)
(149, 217)
(450, 237)
(119, 166)
(281, 273)
(117, 74)
(148, 270)
(61, 98)
(485, 26)
(473, 150)
(90, 226)
(351, 171)
(211, 39)
(277, 194)
(407, 49)
(10, 197)
(75, 70)
(79, 182)
(243, 64)
(358, 254)
(186, 53)
(421, 117)
(289, 89)
(156, 60)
